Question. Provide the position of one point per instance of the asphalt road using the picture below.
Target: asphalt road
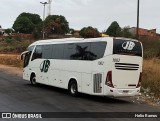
(17, 95)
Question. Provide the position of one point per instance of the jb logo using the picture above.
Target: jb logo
(45, 66)
(128, 45)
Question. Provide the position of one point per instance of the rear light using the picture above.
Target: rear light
(140, 80)
(109, 79)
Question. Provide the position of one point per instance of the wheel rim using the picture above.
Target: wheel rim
(34, 80)
(73, 88)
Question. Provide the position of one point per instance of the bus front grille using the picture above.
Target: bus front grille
(126, 66)
(97, 80)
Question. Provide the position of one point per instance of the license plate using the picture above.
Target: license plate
(125, 91)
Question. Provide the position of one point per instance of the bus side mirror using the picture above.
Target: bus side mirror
(22, 57)
(23, 54)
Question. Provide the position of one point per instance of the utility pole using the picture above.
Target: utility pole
(49, 7)
(138, 20)
(44, 4)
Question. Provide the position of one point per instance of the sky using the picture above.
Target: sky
(82, 13)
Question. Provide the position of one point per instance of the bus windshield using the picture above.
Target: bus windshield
(27, 56)
(127, 47)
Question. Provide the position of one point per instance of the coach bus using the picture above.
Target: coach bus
(97, 66)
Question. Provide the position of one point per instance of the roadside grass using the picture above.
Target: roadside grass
(151, 49)
(151, 78)
(12, 60)
(13, 46)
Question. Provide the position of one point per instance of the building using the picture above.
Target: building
(76, 33)
(145, 33)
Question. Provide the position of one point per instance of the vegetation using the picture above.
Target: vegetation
(151, 77)
(114, 30)
(9, 31)
(56, 24)
(151, 49)
(13, 60)
(71, 30)
(125, 32)
(10, 45)
(26, 23)
(89, 32)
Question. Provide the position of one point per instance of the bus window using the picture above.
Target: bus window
(69, 50)
(98, 49)
(47, 52)
(57, 51)
(82, 51)
(37, 53)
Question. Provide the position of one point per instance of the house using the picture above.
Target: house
(76, 33)
(145, 33)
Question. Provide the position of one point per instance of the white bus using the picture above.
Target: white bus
(97, 66)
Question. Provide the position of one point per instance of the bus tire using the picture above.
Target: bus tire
(73, 89)
(33, 79)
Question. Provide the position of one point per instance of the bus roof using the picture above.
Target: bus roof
(70, 40)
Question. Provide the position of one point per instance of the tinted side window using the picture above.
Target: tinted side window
(97, 50)
(37, 53)
(69, 50)
(82, 52)
(47, 52)
(57, 51)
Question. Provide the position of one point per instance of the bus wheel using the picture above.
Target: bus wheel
(33, 80)
(73, 88)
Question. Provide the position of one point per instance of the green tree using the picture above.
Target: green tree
(126, 33)
(23, 25)
(34, 18)
(37, 32)
(26, 23)
(56, 24)
(0, 26)
(89, 32)
(114, 30)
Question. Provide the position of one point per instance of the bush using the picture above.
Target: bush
(9, 40)
(89, 32)
(13, 46)
(13, 60)
(151, 76)
(151, 49)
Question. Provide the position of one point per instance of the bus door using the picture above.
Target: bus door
(45, 65)
(44, 71)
